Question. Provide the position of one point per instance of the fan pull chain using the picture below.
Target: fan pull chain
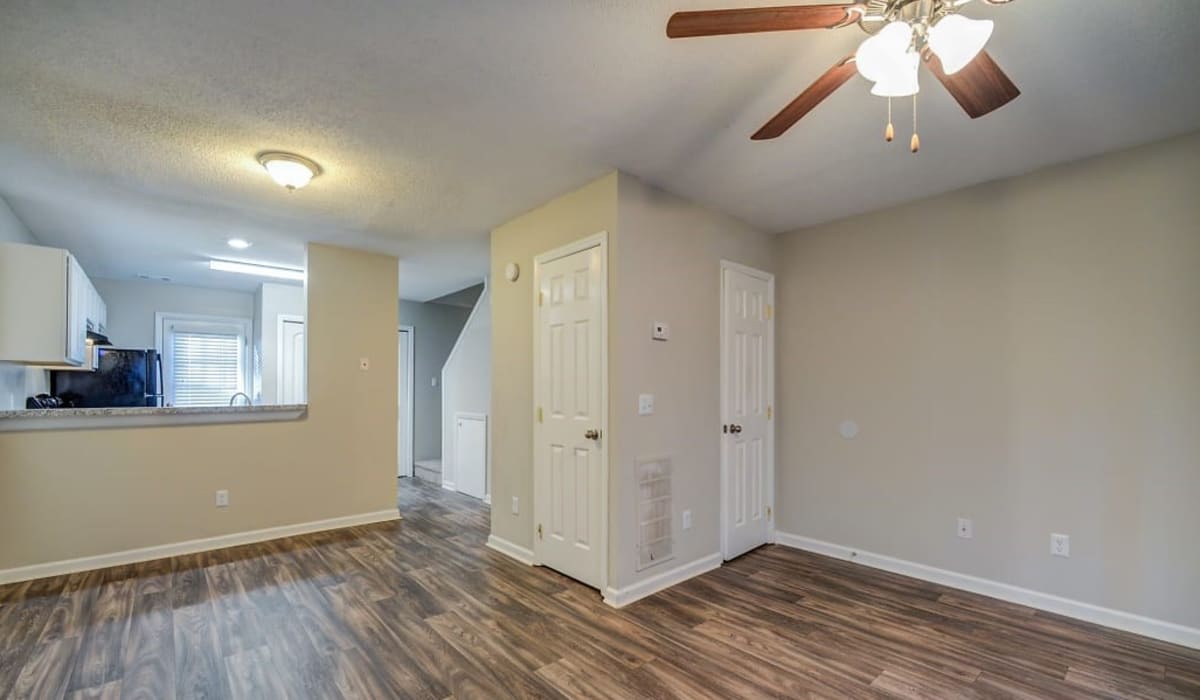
(889, 134)
(916, 140)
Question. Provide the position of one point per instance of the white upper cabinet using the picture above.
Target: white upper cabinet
(44, 303)
(97, 311)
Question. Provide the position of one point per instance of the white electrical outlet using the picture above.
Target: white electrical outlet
(516, 507)
(660, 331)
(966, 528)
(1060, 545)
(687, 520)
(223, 498)
(645, 404)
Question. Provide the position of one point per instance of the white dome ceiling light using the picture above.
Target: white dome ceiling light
(904, 34)
(288, 169)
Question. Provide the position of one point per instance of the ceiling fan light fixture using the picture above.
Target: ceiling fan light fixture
(957, 40)
(900, 80)
(879, 54)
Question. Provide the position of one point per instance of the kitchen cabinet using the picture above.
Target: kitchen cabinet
(97, 311)
(44, 299)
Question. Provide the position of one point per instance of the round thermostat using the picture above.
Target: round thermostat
(512, 271)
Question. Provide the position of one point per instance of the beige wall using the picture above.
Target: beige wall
(668, 269)
(584, 212)
(77, 493)
(1025, 353)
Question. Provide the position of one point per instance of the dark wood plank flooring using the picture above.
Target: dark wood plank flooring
(420, 608)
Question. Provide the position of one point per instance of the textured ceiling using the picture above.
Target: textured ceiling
(128, 129)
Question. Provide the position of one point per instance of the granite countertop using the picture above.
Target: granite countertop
(143, 416)
(146, 411)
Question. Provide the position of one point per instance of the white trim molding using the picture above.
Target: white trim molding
(1107, 617)
(620, 597)
(162, 551)
(513, 551)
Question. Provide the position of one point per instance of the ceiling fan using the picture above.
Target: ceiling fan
(903, 35)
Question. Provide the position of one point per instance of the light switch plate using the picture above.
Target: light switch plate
(660, 331)
(645, 404)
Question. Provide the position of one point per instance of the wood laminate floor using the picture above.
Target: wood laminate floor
(420, 608)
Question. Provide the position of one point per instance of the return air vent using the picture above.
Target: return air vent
(655, 512)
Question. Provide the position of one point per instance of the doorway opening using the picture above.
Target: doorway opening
(404, 432)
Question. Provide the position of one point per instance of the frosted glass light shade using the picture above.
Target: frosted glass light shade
(288, 169)
(878, 54)
(900, 79)
(957, 40)
(288, 173)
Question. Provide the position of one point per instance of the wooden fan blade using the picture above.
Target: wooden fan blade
(980, 87)
(763, 19)
(814, 95)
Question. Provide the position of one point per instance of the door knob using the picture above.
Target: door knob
(735, 429)
(592, 435)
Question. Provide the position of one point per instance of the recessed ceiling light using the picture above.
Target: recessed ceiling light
(283, 273)
(288, 169)
(238, 243)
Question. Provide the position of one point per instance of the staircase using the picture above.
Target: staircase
(429, 470)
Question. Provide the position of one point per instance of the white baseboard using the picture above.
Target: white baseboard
(1117, 619)
(132, 556)
(515, 551)
(448, 485)
(620, 597)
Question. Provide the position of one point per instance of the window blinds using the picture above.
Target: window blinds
(206, 368)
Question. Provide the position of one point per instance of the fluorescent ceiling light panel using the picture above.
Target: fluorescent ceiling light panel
(283, 273)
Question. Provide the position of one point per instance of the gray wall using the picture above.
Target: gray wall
(666, 267)
(435, 328)
(133, 303)
(1024, 353)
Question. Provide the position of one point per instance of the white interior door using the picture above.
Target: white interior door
(470, 453)
(404, 431)
(291, 361)
(570, 467)
(747, 392)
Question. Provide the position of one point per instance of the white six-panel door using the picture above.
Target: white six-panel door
(569, 392)
(747, 380)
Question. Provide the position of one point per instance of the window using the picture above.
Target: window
(205, 359)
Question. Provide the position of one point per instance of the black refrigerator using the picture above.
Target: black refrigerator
(122, 377)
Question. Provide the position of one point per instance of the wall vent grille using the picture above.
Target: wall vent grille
(656, 512)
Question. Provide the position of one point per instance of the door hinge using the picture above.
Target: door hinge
(770, 413)
(770, 312)
(768, 512)
(539, 531)
(541, 298)
(539, 414)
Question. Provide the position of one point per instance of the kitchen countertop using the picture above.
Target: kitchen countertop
(144, 416)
